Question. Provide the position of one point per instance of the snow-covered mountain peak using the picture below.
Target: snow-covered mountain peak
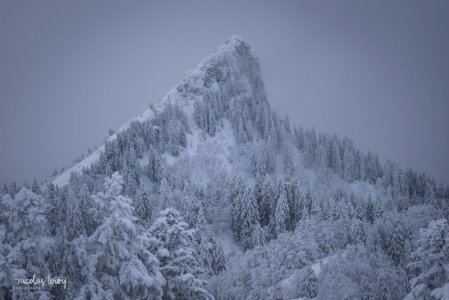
(246, 193)
(235, 39)
(232, 71)
(231, 66)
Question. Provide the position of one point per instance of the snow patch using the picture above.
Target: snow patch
(64, 177)
(227, 242)
(317, 266)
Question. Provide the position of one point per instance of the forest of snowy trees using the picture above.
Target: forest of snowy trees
(308, 215)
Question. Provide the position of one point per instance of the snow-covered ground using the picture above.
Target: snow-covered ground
(63, 178)
(318, 265)
(227, 241)
(288, 286)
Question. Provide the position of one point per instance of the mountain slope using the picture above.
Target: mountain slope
(270, 211)
(232, 64)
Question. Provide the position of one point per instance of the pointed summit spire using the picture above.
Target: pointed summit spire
(235, 39)
(237, 42)
(232, 65)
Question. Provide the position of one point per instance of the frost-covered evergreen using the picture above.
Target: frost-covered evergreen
(25, 244)
(75, 223)
(154, 167)
(172, 243)
(142, 205)
(115, 261)
(430, 262)
(282, 212)
(250, 234)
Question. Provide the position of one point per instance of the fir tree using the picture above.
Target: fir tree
(173, 246)
(142, 205)
(74, 217)
(85, 206)
(282, 211)
(154, 167)
(370, 213)
(115, 260)
(323, 163)
(249, 215)
(13, 190)
(430, 260)
(348, 161)
(35, 187)
(267, 195)
(25, 241)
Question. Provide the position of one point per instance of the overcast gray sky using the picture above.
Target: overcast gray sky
(376, 71)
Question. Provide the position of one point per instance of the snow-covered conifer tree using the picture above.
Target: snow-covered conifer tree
(249, 217)
(142, 206)
(172, 243)
(154, 167)
(115, 260)
(310, 146)
(25, 241)
(323, 163)
(430, 262)
(13, 190)
(348, 160)
(35, 187)
(336, 162)
(267, 194)
(282, 211)
(74, 216)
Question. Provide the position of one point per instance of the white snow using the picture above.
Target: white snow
(227, 242)
(317, 266)
(63, 178)
(288, 285)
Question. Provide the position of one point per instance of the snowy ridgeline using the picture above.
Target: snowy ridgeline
(209, 194)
